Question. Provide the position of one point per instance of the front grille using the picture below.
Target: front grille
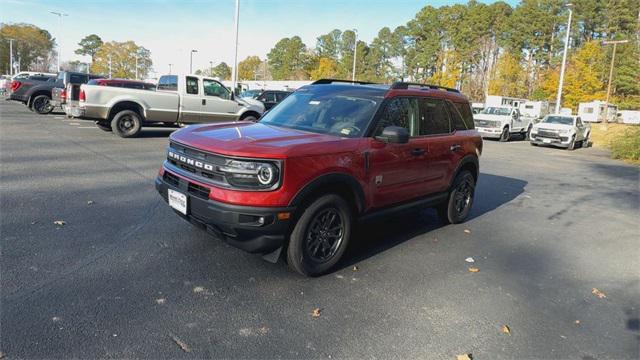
(487, 123)
(171, 179)
(547, 134)
(199, 191)
(214, 160)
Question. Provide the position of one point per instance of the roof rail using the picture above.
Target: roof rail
(331, 81)
(406, 85)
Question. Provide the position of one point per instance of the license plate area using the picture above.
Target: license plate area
(178, 201)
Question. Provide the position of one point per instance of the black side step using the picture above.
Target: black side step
(425, 202)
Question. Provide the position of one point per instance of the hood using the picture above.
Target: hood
(249, 102)
(248, 139)
(491, 117)
(552, 126)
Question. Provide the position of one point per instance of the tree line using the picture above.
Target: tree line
(482, 49)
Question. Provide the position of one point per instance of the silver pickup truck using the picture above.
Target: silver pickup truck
(178, 99)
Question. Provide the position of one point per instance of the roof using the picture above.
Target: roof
(398, 88)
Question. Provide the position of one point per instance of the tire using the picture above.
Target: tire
(249, 118)
(532, 143)
(505, 136)
(527, 134)
(103, 125)
(585, 142)
(460, 200)
(41, 105)
(572, 144)
(126, 124)
(320, 236)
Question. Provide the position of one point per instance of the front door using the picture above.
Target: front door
(217, 104)
(268, 98)
(397, 172)
(191, 104)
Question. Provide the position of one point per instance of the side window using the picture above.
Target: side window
(192, 85)
(434, 119)
(466, 113)
(401, 112)
(280, 96)
(168, 83)
(456, 119)
(214, 88)
(268, 96)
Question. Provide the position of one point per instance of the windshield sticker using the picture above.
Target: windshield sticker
(314, 102)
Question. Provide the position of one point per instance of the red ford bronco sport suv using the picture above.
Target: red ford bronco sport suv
(330, 154)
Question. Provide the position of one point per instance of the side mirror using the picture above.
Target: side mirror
(394, 135)
(232, 96)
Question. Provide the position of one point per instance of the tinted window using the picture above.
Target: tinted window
(168, 82)
(214, 88)
(466, 113)
(401, 112)
(280, 96)
(192, 85)
(268, 96)
(77, 78)
(434, 119)
(456, 119)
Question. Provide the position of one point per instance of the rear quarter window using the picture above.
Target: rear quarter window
(465, 112)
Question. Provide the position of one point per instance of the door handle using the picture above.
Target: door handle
(455, 147)
(418, 152)
(204, 101)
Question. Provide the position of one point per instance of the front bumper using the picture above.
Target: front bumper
(560, 141)
(240, 226)
(493, 133)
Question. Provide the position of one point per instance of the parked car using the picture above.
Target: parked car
(268, 97)
(562, 131)
(5, 84)
(34, 92)
(67, 90)
(71, 107)
(184, 99)
(501, 122)
(330, 154)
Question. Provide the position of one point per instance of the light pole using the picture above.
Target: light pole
(11, 56)
(191, 61)
(110, 72)
(136, 66)
(234, 71)
(211, 68)
(355, 53)
(613, 58)
(564, 60)
(170, 68)
(60, 16)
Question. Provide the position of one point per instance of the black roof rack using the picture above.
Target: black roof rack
(331, 81)
(406, 85)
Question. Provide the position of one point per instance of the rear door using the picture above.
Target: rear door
(398, 171)
(191, 104)
(217, 104)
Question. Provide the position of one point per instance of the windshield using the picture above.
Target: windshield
(496, 111)
(250, 94)
(327, 109)
(563, 120)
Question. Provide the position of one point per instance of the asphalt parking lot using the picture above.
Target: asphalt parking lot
(127, 278)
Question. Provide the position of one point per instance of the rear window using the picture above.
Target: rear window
(456, 118)
(168, 83)
(467, 115)
(77, 79)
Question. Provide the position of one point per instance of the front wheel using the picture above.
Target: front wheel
(41, 104)
(572, 144)
(104, 126)
(249, 118)
(126, 124)
(320, 236)
(458, 205)
(504, 137)
(527, 134)
(585, 142)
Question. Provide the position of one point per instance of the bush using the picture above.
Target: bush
(627, 146)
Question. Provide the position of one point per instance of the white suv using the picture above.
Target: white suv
(560, 130)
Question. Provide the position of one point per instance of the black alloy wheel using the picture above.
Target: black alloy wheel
(324, 235)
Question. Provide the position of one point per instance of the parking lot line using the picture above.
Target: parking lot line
(86, 127)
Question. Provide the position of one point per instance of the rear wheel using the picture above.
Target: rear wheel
(320, 236)
(126, 124)
(103, 125)
(41, 104)
(458, 205)
(572, 144)
(504, 137)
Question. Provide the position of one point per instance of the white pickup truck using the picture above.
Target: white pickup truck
(500, 122)
(562, 131)
(178, 99)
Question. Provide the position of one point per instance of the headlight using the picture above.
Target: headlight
(564, 132)
(251, 174)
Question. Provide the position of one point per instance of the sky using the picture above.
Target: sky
(171, 29)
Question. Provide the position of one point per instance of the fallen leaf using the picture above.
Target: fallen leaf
(198, 289)
(55, 319)
(90, 202)
(160, 301)
(435, 240)
(355, 268)
(181, 344)
(464, 357)
(598, 293)
(473, 269)
(577, 322)
(505, 329)
(60, 222)
(316, 312)
(1, 355)
(34, 222)
(469, 260)
(467, 231)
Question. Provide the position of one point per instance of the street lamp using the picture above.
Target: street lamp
(564, 60)
(191, 61)
(60, 16)
(170, 68)
(210, 68)
(110, 72)
(136, 66)
(11, 56)
(234, 71)
(355, 53)
(613, 58)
